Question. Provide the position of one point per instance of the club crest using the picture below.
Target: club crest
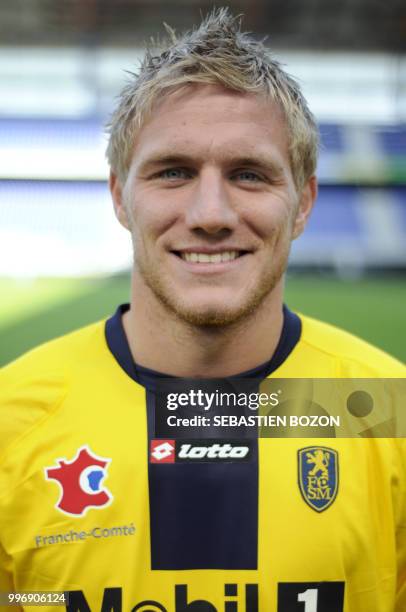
(318, 476)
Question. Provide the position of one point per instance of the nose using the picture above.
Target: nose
(210, 208)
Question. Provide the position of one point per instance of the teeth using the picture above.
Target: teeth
(212, 258)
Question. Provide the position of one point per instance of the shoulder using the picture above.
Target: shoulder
(33, 386)
(352, 356)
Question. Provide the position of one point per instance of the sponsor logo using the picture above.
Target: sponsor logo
(291, 597)
(192, 451)
(212, 451)
(81, 482)
(162, 451)
(113, 598)
(318, 476)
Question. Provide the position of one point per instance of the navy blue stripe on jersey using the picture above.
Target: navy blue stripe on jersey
(118, 345)
(202, 515)
(290, 336)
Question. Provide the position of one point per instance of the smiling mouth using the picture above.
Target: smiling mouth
(211, 258)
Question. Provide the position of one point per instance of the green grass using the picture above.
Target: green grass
(52, 307)
(21, 296)
(31, 313)
(372, 308)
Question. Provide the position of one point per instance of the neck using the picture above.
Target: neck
(161, 341)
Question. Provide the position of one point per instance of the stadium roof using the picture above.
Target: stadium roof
(313, 24)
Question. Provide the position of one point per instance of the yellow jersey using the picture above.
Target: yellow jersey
(92, 505)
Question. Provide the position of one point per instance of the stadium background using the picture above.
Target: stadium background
(64, 260)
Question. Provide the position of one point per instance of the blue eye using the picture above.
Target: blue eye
(248, 176)
(174, 174)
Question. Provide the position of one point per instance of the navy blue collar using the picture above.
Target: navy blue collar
(118, 345)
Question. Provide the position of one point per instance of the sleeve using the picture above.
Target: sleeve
(401, 531)
(401, 581)
(6, 578)
(6, 582)
(25, 399)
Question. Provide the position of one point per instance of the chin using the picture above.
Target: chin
(215, 315)
(215, 318)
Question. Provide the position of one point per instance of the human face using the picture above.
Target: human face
(211, 204)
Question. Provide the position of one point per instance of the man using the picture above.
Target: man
(212, 152)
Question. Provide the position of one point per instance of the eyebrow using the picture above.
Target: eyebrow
(163, 159)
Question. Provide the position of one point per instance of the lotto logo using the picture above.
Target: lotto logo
(162, 451)
(202, 451)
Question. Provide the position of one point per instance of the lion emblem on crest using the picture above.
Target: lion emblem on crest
(320, 459)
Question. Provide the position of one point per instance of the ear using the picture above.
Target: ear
(116, 191)
(307, 198)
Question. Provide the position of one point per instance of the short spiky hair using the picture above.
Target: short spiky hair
(216, 52)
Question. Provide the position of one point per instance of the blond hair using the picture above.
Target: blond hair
(216, 52)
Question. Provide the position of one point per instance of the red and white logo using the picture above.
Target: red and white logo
(81, 482)
(162, 451)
